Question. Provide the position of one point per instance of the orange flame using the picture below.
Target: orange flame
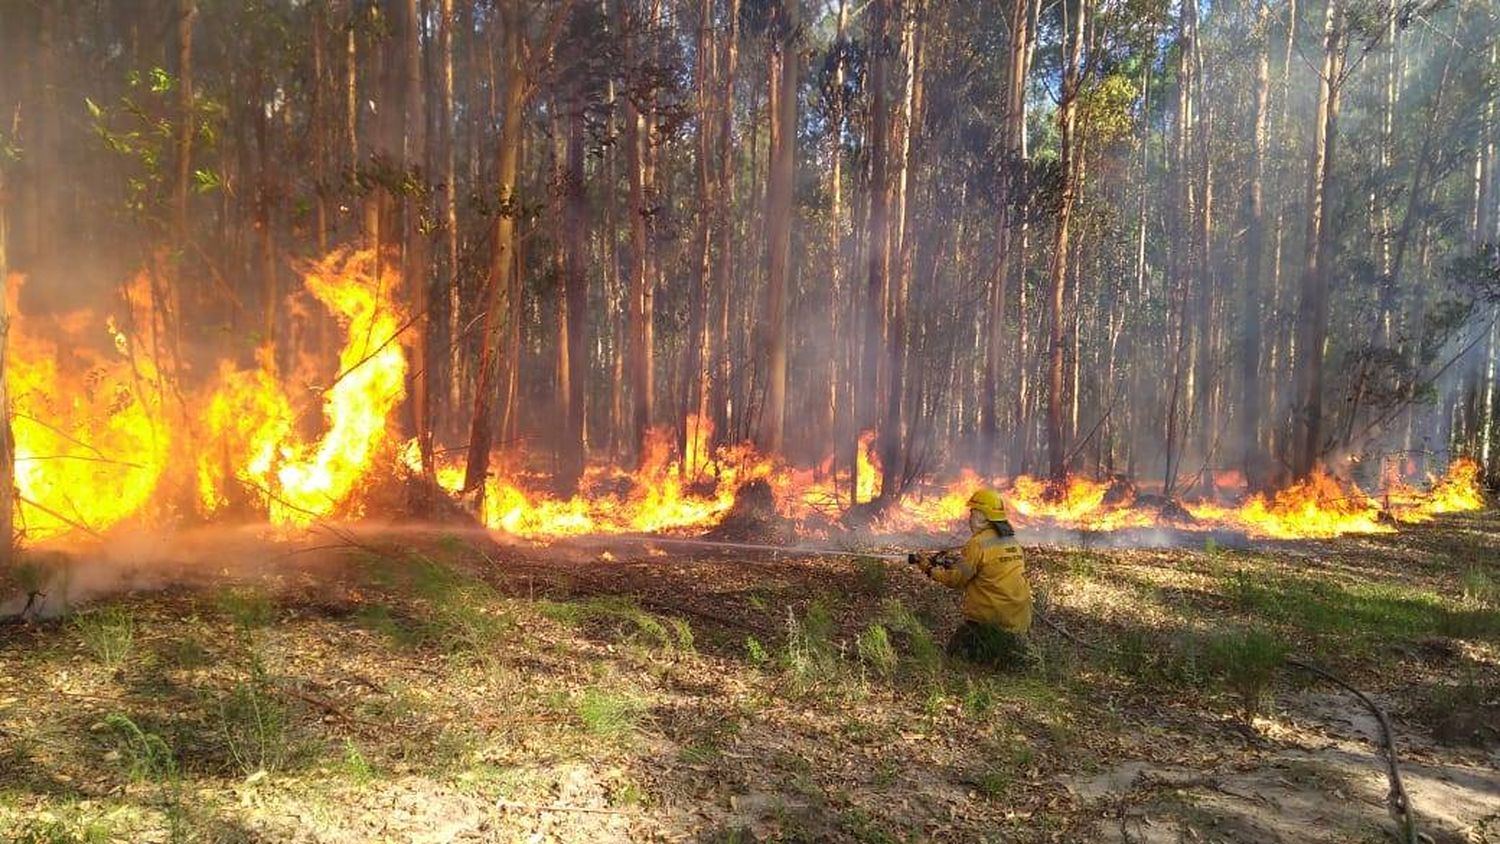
(87, 404)
(251, 421)
(95, 436)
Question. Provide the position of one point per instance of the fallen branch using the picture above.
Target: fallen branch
(536, 807)
(1397, 800)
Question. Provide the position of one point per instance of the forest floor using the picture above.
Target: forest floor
(423, 686)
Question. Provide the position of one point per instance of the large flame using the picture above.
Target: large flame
(98, 421)
(251, 422)
(87, 406)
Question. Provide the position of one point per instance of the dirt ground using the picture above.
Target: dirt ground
(417, 685)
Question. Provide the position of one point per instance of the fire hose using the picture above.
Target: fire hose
(1398, 802)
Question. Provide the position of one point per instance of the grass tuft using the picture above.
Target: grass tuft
(875, 650)
(255, 724)
(609, 714)
(108, 633)
(1245, 661)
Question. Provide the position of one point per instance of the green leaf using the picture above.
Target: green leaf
(207, 180)
(94, 110)
(161, 81)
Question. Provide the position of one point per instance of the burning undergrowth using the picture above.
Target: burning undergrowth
(115, 432)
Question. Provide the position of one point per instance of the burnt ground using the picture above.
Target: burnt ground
(430, 686)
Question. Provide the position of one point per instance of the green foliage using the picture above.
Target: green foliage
(52, 831)
(107, 632)
(248, 608)
(609, 714)
(810, 653)
(914, 638)
(356, 767)
(1479, 588)
(875, 650)
(453, 611)
(255, 724)
(623, 619)
(147, 756)
(979, 698)
(1245, 661)
(756, 651)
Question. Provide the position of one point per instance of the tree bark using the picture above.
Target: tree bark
(782, 168)
(1312, 322)
(503, 257)
(695, 387)
(1067, 118)
(878, 247)
(1012, 188)
(416, 272)
(575, 282)
(1252, 459)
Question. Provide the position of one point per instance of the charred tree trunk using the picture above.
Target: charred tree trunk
(696, 370)
(7, 443)
(575, 282)
(188, 13)
(415, 262)
(641, 358)
(893, 426)
(719, 343)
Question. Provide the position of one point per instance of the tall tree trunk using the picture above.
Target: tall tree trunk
(783, 148)
(456, 369)
(1012, 189)
(838, 369)
(719, 345)
(637, 145)
(694, 411)
(7, 443)
(187, 14)
(575, 281)
(1312, 321)
(879, 223)
(503, 256)
(1252, 458)
(416, 272)
(893, 425)
(1075, 17)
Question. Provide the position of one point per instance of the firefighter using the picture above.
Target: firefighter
(996, 602)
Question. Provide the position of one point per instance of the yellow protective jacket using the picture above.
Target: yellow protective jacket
(992, 574)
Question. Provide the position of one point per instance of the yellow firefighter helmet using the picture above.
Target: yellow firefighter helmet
(989, 503)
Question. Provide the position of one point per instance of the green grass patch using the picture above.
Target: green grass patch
(622, 619)
(355, 766)
(876, 651)
(609, 714)
(1245, 661)
(871, 575)
(248, 609)
(56, 831)
(255, 724)
(1364, 612)
(108, 633)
